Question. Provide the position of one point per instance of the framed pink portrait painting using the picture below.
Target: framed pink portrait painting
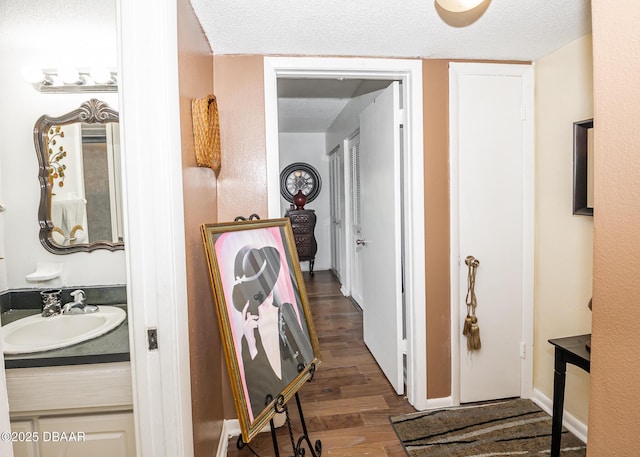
(270, 344)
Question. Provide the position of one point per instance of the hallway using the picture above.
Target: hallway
(348, 403)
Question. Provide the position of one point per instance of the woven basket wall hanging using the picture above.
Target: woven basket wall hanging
(206, 131)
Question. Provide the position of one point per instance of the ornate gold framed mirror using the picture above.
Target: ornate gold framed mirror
(79, 172)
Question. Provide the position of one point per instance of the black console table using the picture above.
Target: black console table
(303, 223)
(571, 350)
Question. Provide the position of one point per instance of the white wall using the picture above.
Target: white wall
(3, 262)
(344, 126)
(564, 242)
(311, 148)
(348, 121)
(19, 186)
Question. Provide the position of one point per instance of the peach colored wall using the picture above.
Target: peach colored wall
(195, 67)
(614, 412)
(242, 183)
(564, 242)
(435, 89)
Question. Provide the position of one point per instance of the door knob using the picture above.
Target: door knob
(361, 242)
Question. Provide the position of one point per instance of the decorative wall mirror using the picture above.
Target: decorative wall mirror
(81, 198)
(583, 167)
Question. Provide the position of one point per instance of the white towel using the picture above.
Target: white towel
(66, 215)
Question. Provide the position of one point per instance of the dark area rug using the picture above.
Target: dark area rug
(505, 428)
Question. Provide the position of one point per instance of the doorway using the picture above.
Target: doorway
(410, 74)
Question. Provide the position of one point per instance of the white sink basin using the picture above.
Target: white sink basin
(36, 333)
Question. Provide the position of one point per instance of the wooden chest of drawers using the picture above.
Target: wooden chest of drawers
(303, 223)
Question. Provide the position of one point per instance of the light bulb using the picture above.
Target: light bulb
(55, 80)
(69, 75)
(459, 6)
(101, 75)
(32, 74)
(86, 80)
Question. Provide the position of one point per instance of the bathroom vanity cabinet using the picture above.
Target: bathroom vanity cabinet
(74, 401)
(72, 411)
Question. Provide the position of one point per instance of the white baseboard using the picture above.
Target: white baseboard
(572, 424)
(438, 403)
(229, 428)
(233, 427)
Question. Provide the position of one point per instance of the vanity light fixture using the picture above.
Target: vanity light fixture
(459, 6)
(71, 79)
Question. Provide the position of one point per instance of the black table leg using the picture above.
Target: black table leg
(559, 379)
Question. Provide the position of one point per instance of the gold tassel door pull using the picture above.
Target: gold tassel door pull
(470, 328)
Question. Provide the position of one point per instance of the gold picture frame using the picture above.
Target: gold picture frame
(270, 344)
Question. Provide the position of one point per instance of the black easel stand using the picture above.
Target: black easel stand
(253, 217)
(299, 446)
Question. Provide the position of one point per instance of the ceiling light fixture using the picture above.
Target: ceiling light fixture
(459, 6)
(71, 80)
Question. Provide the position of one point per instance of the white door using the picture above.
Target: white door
(356, 222)
(489, 143)
(380, 241)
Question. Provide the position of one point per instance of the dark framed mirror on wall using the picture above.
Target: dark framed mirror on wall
(583, 167)
(80, 190)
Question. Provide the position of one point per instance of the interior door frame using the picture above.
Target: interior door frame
(352, 286)
(526, 73)
(410, 73)
(154, 216)
(336, 183)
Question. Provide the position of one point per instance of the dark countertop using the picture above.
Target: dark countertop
(110, 347)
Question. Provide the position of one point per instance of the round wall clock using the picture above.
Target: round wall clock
(300, 176)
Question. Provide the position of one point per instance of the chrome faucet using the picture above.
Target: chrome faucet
(78, 306)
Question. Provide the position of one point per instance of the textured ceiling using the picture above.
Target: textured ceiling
(508, 29)
(499, 30)
(311, 105)
(502, 29)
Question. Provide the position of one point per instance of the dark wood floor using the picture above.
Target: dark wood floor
(348, 403)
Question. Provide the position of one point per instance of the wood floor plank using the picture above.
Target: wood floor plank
(348, 403)
(342, 421)
(356, 436)
(358, 451)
